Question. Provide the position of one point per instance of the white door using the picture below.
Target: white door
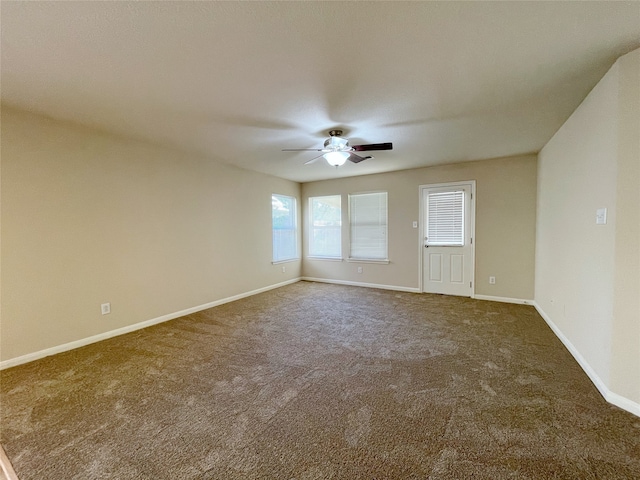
(447, 232)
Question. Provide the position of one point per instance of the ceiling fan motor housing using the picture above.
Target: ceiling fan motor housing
(335, 142)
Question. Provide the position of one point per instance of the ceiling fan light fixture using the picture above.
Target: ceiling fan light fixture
(336, 158)
(337, 150)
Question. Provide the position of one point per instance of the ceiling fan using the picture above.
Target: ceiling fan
(337, 150)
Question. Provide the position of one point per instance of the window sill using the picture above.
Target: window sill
(328, 259)
(288, 260)
(368, 260)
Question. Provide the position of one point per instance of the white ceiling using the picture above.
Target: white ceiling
(239, 81)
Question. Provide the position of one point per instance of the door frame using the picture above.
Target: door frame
(422, 227)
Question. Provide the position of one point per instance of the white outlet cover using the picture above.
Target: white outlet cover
(105, 308)
(601, 216)
(415, 224)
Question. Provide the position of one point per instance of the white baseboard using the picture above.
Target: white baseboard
(611, 397)
(519, 301)
(30, 357)
(361, 284)
(6, 467)
(623, 402)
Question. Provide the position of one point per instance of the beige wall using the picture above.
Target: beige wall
(505, 225)
(625, 362)
(88, 218)
(588, 275)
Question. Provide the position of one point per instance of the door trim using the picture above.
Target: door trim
(422, 226)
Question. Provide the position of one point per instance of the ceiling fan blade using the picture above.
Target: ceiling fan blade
(357, 158)
(314, 159)
(373, 146)
(304, 150)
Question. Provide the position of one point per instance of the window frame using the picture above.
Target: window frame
(356, 259)
(312, 228)
(294, 229)
(451, 219)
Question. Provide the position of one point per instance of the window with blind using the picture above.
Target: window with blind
(368, 226)
(284, 228)
(325, 238)
(445, 219)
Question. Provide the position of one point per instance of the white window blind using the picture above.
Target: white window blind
(285, 237)
(445, 218)
(325, 238)
(368, 225)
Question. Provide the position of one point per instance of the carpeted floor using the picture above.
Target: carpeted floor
(319, 381)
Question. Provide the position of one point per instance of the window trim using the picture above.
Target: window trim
(338, 257)
(461, 241)
(328, 259)
(289, 260)
(353, 259)
(295, 229)
(385, 261)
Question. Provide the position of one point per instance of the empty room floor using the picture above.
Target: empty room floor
(320, 381)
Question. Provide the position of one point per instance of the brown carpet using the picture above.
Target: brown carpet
(318, 381)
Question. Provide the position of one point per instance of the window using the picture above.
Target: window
(368, 224)
(325, 239)
(283, 215)
(445, 219)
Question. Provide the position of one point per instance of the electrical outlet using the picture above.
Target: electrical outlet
(284, 269)
(492, 280)
(359, 269)
(105, 308)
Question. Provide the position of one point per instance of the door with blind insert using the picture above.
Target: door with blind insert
(447, 253)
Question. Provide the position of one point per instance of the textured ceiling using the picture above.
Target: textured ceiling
(239, 81)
